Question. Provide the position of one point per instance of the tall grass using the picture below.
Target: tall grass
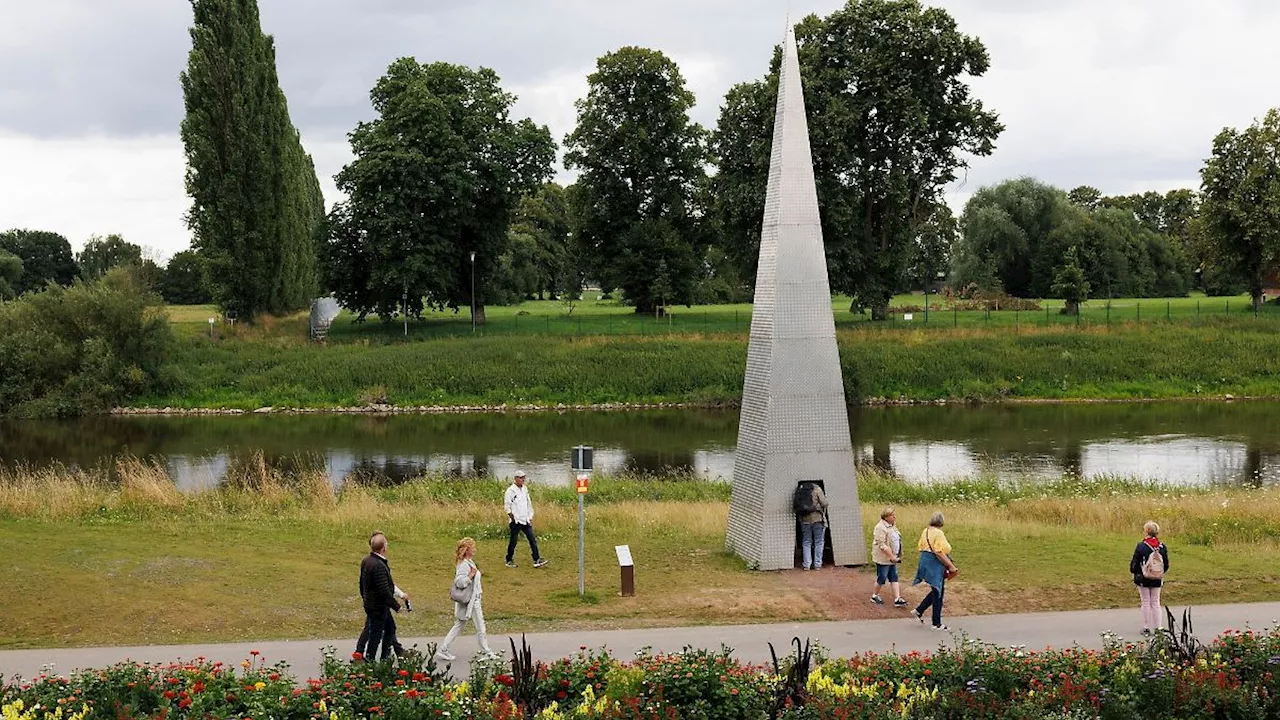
(136, 489)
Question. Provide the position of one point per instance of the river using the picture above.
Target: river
(1177, 443)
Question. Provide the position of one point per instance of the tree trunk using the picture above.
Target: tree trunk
(1071, 308)
(1257, 299)
(479, 313)
(880, 311)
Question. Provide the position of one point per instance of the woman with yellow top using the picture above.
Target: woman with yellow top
(935, 565)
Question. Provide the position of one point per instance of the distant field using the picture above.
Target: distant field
(594, 317)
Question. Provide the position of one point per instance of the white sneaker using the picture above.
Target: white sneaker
(446, 656)
(939, 627)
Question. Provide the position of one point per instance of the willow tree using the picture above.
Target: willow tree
(255, 201)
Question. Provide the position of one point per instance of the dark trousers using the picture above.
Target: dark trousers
(379, 629)
(934, 598)
(516, 529)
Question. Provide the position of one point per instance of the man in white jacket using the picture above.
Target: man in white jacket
(520, 514)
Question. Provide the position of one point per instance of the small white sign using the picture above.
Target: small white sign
(624, 555)
(907, 316)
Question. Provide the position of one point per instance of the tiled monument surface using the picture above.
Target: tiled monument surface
(794, 424)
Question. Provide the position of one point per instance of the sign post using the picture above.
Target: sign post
(628, 570)
(582, 465)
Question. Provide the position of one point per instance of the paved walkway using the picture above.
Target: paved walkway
(750, 642)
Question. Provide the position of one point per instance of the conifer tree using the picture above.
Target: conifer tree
(255, 200)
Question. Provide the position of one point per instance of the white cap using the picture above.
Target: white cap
(519, 473)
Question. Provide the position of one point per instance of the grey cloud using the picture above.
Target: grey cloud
(79, 66)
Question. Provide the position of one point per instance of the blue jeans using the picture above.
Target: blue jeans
(934, 598)
(886, 573)
(813, 538)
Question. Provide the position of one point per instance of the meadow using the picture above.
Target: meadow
(273, 556)
(273, 363)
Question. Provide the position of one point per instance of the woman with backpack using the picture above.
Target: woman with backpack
(1149, 563)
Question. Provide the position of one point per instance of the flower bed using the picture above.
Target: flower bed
(1172, 677)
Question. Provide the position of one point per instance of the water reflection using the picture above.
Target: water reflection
(1185, 443)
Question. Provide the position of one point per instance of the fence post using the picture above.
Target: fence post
(1139, 312)
(1168, 310)
(579, 324)
(1046, 314)
(1228, 307)
(955, 316)
(1017, 313)
(1078, 316)
(1197, 308)
(1108, 312)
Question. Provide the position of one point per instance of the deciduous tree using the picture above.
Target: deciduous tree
(183, 281)
(1241, 201)
(641, 162)
(10, 273)
(101, 254)
(892, 120)
(45, 256)
(436, 176)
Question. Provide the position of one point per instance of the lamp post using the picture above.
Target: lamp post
(473, 291)
(404, 299)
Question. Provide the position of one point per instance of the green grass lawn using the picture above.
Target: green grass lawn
(608, 317)
(142, 565)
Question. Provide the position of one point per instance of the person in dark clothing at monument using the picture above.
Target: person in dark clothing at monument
(380, 596)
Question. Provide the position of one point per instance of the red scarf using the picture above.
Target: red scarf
(1152, 543)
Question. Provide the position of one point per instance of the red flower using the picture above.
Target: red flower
(169, 694)
(375, 709)
(357, 656)
(403, 673)
(198, 687)
(504, 680)
(184, 704)
(254, 653)
(411, 693)
(417, 677)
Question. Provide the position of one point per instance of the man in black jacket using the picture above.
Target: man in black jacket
(380, 596)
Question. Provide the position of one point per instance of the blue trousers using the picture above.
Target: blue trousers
(813, 539)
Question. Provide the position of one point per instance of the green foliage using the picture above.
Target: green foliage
(46, 256)
(1232, 678)
(183, 281)
(891, 121)
(639, 194)
(1015, 236)
(10, 273)
(435, 177)
(256, 202)
(82, 349)
(541, 259)
(1241, 189)
(1069, 283)
(101, 254)
(1211, 357)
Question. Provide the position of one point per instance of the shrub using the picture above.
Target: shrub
(83, 349)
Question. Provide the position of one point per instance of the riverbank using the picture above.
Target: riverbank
(1210, 359)
(269, 555)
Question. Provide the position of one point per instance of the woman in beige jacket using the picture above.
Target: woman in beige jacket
(886, 552)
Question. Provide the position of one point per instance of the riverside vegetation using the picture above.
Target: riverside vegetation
(190, 567)
(107, 343)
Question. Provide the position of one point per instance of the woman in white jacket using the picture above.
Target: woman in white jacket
(466, 586)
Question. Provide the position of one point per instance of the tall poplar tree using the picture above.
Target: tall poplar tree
(255, 200)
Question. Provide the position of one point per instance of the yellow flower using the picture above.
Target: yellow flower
(259, 685)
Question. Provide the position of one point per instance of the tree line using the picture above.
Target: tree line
(448, 199)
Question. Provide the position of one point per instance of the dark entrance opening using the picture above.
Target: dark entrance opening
(828, 554)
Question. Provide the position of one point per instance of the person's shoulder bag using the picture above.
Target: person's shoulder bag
(462, 595)
(947, 573)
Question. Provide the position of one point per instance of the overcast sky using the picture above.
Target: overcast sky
(1125, 95)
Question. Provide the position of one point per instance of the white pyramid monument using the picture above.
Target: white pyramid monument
(794, 424)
